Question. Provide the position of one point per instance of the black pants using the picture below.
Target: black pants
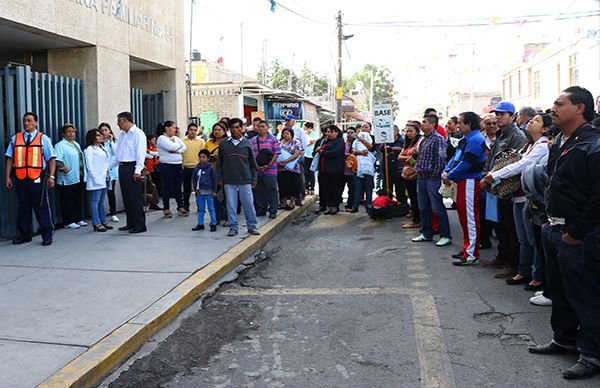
(411, 188)
(132, 196)
(573, 274)
(71, 202)
(349, 182)
(321, 192)
(537, 231)
(333, 186)
(171, 176)
(112, 199)
(508, 243)
(309, 175)
(157, 181)
(381, 213)
(187, 186)
(396, 183)
(33, 196)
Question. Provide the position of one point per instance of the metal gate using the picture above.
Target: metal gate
(148, 109)
(55, 99)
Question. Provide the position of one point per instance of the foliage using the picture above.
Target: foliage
(308, 83)
(383, 87)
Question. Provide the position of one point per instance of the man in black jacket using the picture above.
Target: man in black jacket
(572, 236)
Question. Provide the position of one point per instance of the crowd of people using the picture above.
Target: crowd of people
(530, 177)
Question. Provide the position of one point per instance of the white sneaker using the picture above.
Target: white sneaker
(114, 219)
(540, 300)
(541, 292)
(73, 225)
(82, 223)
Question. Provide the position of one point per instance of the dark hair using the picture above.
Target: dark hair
(596, 122)
(433, 119)
(192, 125)
(236, 120)
(64, 128)
(257, 119)
(125, 115)
(472, 119)
(204, 152)
(150, 137)
(90, 136)
(287, 129)
(335, 128)
(162, 127)
(527, 111)
(265, 122)
(579, 95)
(225, 120)
(35, 117)
(546, 120)
(429, 111)
(416, 126)
(454, 119)
(215, 125)
(309, 125)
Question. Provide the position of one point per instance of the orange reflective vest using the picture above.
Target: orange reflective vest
(28, 159)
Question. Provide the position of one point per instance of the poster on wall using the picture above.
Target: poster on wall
(207, 120)
(383, 123)
(278, 110)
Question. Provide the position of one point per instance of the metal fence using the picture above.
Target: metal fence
(148, 109)
(55, 99)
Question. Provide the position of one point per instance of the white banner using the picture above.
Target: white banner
(383, 123)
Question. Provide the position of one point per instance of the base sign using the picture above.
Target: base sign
(383, 123)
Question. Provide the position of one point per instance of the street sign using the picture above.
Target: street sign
(383, 123)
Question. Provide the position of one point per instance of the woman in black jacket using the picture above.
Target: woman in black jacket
(331, 169)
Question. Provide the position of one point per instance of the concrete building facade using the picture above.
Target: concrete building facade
(112, 45)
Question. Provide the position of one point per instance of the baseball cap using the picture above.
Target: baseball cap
(290, 117)
(505, 106)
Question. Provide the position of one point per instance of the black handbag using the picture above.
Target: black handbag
(264, 155)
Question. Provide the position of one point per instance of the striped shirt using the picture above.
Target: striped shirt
(271, 144)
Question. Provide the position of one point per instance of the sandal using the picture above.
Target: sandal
(167, 214)
(99, 228)
(108, 227)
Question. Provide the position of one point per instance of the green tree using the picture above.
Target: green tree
(383, 86)
(311, 83)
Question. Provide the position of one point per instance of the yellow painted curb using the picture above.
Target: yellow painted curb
(96, 362)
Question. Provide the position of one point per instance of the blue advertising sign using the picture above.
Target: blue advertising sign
(277, 110)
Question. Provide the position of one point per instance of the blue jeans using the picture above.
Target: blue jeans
(363, 184)
(430, 201)
(247, 199)
(97, 207)
(202, 201)
(528, 253)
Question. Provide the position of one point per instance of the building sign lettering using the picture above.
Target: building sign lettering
(122, 12)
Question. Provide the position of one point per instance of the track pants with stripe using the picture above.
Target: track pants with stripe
(467, 205)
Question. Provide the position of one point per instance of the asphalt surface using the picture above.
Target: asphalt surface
(342, 301)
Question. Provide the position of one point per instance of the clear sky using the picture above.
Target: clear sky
(416, 56)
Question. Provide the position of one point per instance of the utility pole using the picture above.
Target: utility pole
(190, 78)
(338, 92)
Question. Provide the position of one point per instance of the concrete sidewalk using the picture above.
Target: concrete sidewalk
(57, 302)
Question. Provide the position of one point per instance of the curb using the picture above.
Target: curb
(101, 358)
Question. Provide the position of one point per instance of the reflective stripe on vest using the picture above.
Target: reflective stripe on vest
(28, 159)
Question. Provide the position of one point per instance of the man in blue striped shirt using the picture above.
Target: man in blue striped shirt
(431, 161)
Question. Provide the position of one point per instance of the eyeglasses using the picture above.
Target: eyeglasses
(491, 124)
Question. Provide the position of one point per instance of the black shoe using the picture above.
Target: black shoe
(20, 240)
(125, 228)
(137, 230)
(46, 243)
(485, 245)
(298, 202)
(529, 287)
(272, 215)
(354, 210)
(582, 369)
(213, 228)
(551, 348)
(199, 227)
(458, 255)
(318, 211)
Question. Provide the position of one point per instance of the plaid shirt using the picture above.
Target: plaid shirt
(431, 158)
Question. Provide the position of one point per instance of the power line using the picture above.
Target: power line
(475, 22)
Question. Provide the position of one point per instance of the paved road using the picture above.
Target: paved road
(347, 302)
